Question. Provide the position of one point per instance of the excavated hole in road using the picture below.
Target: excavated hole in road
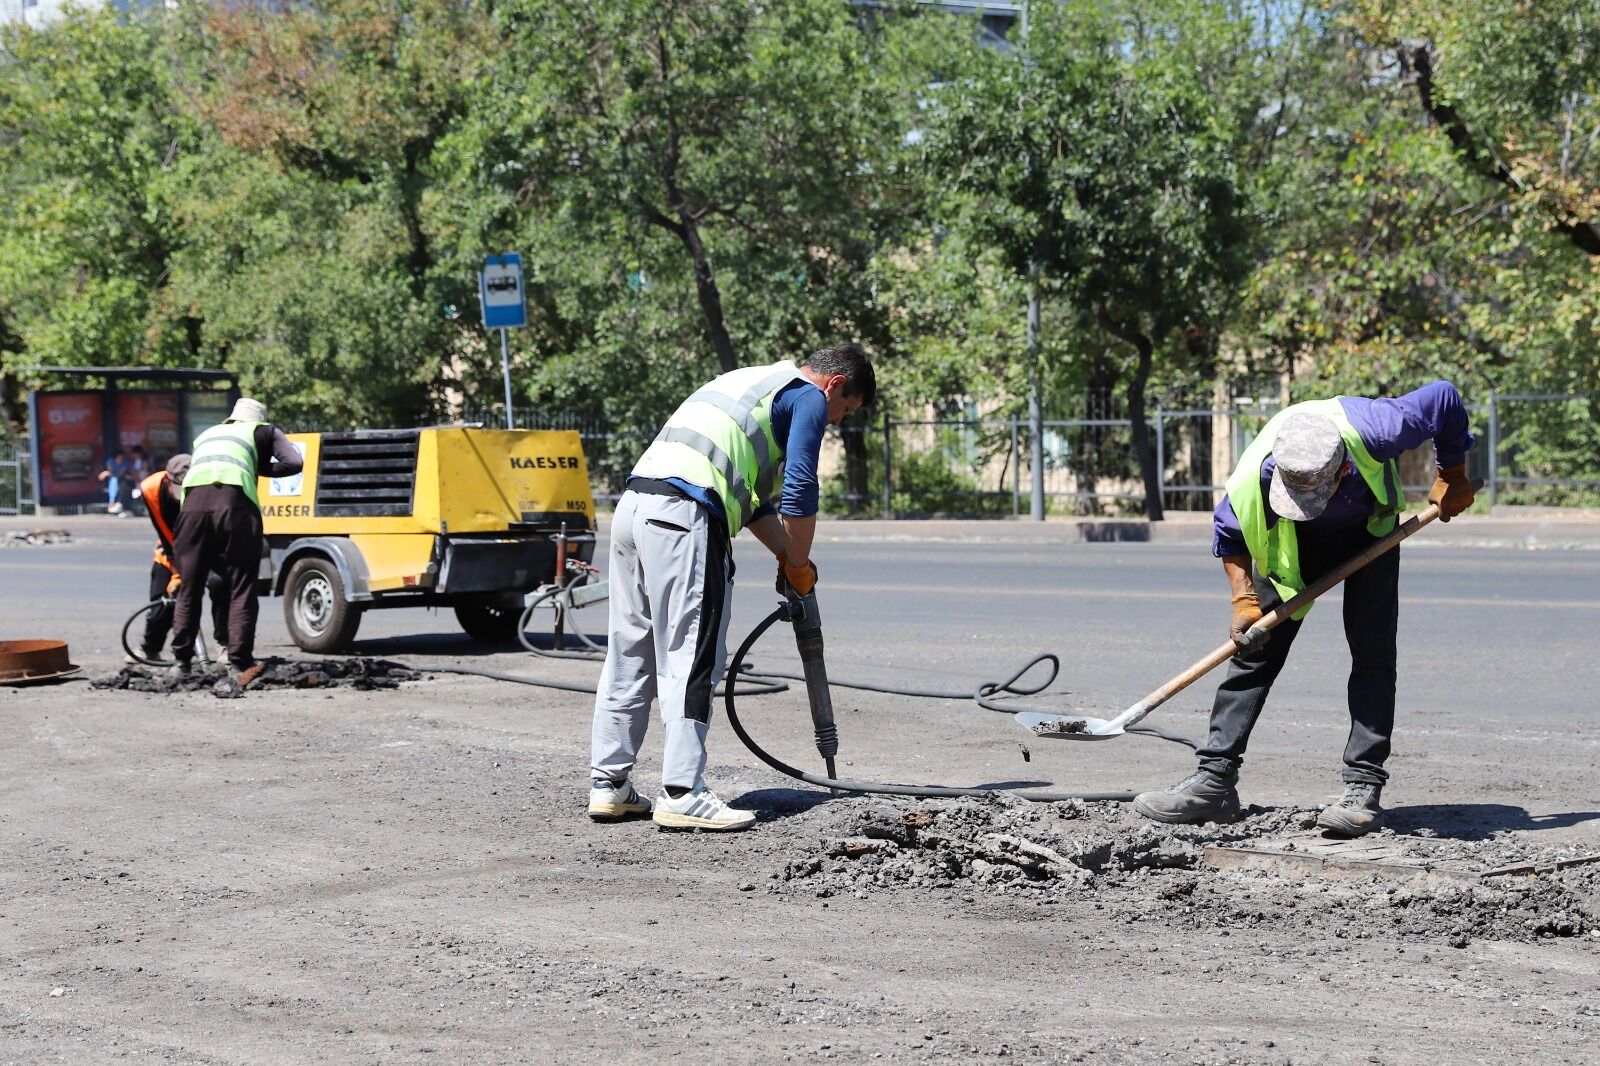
(361, 674)
(1105, 859)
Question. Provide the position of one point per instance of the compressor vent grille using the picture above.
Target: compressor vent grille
(366, 475)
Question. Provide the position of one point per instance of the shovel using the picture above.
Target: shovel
(1076, 727)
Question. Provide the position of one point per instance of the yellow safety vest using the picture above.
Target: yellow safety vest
(1276, 551)
(225, 455)
(721, 439)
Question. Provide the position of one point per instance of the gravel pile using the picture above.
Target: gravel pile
(362, 674)
(1107, 857)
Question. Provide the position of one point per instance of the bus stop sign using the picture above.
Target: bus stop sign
(501, 293)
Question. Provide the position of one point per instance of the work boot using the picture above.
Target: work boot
(1201, 797)
(699, 809)
(179, 672)
(1357, 812)
(243, 675)
(608, 802)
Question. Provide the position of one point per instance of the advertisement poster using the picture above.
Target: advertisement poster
(72, 451)
(149, 420)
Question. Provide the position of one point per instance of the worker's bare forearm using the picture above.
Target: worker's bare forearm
(770, 532)
(801, 532)
(1237, 567)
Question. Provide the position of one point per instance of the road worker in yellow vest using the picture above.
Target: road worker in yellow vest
(739, 453)
(1319, 485)
(220, 526)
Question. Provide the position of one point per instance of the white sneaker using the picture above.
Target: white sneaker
(115, 508)
(699, 809)
(607, 803)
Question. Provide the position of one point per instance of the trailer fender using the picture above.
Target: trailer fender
(346, 557)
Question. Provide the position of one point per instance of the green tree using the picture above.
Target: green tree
(1092, 157)
(91, 128)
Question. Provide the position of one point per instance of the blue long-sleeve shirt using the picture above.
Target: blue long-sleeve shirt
(1388, 427)
(799, 419)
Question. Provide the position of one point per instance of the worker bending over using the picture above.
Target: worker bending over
(749, 438)
(220, 526)
(1319, 485)
(163, 497)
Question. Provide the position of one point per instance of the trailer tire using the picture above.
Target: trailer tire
(319, 617)
(489, 623)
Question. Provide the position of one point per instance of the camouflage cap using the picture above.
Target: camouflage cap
(1309, 453)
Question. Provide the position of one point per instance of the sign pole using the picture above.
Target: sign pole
(505, 369)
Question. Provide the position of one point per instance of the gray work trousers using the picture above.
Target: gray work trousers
(671, 588)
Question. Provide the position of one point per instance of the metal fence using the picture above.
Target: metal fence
(1531, 449)
(16, 473)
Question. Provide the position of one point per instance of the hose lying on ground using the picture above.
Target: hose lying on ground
(875, 787)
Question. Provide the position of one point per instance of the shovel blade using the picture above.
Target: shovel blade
(1068, 726)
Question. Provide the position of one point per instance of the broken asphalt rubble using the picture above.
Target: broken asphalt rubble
(360, 674)
(1102, 856)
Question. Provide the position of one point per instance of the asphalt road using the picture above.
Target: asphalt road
(406, 876)
(1498, 640)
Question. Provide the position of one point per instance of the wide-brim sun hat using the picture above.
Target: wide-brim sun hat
(248, 410)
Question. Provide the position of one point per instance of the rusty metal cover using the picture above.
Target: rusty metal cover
(23, 662)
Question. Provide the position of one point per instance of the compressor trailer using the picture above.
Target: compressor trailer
(472, 519)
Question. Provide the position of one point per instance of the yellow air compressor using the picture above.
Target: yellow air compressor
(473, 519)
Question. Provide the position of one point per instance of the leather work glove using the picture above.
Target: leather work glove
(1452, 491)
(1246, 613)
(798, 579)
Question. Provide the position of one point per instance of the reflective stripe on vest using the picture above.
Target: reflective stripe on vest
(721, 438)
(1276, 550)
(225, 455)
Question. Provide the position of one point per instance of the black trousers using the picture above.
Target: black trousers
(1371, 611)
(158, 623)
(218, 528)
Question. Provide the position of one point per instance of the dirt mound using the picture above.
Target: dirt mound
(1105, 856)
(279, 674)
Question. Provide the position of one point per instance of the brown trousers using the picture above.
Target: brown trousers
(220, 527)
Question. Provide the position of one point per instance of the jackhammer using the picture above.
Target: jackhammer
(807, 620)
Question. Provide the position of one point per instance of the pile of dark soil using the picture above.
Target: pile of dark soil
(1106, 857)
(362, 674)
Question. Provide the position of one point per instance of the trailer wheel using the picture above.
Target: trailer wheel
(489, 623)
(320, 619)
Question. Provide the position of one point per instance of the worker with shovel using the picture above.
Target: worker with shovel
(1318, 486)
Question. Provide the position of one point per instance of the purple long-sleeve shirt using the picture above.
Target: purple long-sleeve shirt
(1388, 427)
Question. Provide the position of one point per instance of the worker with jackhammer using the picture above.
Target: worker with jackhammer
(220, 527)
(163, 497)
(1319, 485)
(741, 452)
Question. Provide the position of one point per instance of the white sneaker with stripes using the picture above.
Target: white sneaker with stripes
(699, 809)
(609, 802)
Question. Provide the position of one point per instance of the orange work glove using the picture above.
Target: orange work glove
(1246, 613)
(800, 579)
(1452, 491)
(172, 584)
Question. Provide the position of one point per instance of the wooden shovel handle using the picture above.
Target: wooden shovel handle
(1227, 650)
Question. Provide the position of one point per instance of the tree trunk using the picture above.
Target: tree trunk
(705, 286)
(1142, 445)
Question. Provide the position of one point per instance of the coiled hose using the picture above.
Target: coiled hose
(883, 788)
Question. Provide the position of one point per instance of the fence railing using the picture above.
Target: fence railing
(1531, 449)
